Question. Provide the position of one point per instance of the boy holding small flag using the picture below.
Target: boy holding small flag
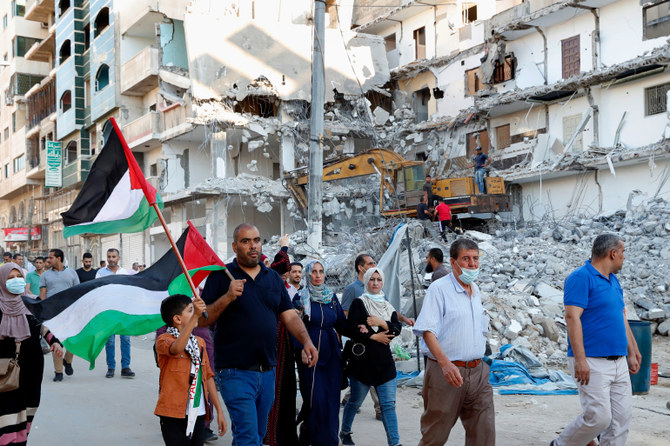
(184, 365)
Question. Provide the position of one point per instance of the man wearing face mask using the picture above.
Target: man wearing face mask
(456, 381)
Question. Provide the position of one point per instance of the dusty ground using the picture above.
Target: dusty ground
(87, 408)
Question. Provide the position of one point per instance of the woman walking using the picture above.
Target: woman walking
(320, 385)
(20, 331)
(372, 323)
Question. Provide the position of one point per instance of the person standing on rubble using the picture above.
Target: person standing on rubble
(453, 326)
(428, 191)
(601, 348)
(247, 310)
(482, 161)
(443, 213)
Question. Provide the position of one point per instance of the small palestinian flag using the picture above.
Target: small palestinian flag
(115, 197)
(85, 316)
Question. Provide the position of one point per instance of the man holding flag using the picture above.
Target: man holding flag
(247, 310)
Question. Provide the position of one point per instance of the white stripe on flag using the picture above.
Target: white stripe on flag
(124, 298)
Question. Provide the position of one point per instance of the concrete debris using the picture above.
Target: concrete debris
(261, 191)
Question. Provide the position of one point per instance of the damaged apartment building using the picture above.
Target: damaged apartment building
(569, 99)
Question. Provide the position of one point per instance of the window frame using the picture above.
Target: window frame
(97, 76)
(659, 110)
(570, 67)
(645, 35)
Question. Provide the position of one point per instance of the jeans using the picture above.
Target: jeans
(248, 396)
(386, 393)
(479, 179)
(125, 352)
(174, 431)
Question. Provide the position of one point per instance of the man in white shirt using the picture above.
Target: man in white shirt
(453, 326)
(113, 267)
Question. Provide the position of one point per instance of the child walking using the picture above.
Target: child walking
(186, 379)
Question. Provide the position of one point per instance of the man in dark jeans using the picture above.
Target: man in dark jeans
(481, 162)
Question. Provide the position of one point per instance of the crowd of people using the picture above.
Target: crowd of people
(269, 316)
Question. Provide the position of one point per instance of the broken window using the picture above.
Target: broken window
(502, 137)
(656, 20)
(570, 126)
(101, 22)
(656, 99)
(102, 77)
(66, 101)
(484, 142)
(421, 98)
(65, 51)
(420, 43)
(378, 99)
(263, 106)
(469, 12)
(473, 83)
(504, 71)
(570, 56)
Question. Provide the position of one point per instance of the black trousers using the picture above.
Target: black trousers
(174, 431)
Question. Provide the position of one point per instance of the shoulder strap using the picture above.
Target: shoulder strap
(18, 349)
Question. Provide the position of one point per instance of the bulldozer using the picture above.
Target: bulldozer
(401, 186)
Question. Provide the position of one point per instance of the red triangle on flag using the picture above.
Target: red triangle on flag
(197, 253)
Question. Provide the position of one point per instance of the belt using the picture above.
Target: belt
(612, 357)
(256, 368)
(467, 364)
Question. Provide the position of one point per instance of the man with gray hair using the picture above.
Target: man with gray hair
(601, 348)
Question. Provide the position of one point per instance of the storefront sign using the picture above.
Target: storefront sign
(21, 234)
(54, 169)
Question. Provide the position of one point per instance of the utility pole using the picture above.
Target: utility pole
(315, 193)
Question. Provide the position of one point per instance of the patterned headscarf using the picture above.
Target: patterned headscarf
(14, 322)
(313, 293)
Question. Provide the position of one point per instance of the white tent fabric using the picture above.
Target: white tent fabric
(391, 261)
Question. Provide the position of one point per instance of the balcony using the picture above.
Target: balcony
(140, 74)
(138, 17)
(36, 165)
(174, 122)
(43, 51)
(76, 171)
(15, 184)
(144, 133)
(39, 10)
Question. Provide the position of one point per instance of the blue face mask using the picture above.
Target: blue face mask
(469, 275)
(16, 285)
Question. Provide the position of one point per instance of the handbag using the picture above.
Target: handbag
(9, 372)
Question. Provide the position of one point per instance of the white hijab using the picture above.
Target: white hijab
(376, 304)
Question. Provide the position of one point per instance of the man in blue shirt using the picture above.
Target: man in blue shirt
(245, 339)
(481, 161)
(599, 339)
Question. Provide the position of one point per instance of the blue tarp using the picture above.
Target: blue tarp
(514, 378)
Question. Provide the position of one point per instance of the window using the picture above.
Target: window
(7, 175)
(473, 83)
(65, 51)
(23, 44)
(469, 12)
(570, 126)
(14, 122)
(504, 71)
(420, 99)
(102, 77)
(656, 99)
(101, 22)
(66, 101)
(71, 152)
(484, 142)
(390, 42)
(420, 43)
(570, 56)
(19, 163)
(18, 8)
(656, 20)
(87, 36)
(6, 133)
(4, 22)
(63, 6)
(87, 92)
(502, 137)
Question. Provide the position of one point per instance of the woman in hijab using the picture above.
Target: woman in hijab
(19, 328)
(320, 385)
(369, 355)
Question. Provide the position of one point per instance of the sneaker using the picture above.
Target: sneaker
(58, 377)
(68, 368)
(110, 373)
(345, 439)
(210, 436)
(127, 373)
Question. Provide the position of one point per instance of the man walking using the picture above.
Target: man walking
(443, 212)
(86, 272)
(53, 281)
(113, 267)
(33, 277)
(481, 162)
(453, 326)
(247, 310)
(435, 265)
(601, 348)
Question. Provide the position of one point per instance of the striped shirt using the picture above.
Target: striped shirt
(457, 321)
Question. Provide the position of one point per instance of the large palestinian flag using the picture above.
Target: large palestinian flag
(115, 196)
(84, 316)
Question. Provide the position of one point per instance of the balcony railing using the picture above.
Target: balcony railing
(140, 74)
(144, 129)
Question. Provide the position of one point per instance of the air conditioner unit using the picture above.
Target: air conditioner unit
(44, 25)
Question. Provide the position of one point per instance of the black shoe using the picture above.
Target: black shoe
(68, 368)
(210, 436)
(58, 377)
(345, 439)
(110, 373)
(127, 373)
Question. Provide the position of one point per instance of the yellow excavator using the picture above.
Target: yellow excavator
(401, 186)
